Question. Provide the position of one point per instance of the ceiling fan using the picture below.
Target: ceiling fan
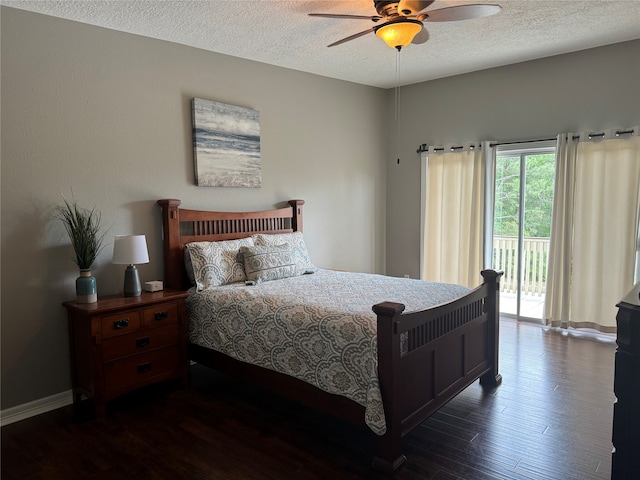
(401, 22)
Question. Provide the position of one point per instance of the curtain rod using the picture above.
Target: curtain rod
(425, 147)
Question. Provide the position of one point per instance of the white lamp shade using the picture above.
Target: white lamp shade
(130, 250)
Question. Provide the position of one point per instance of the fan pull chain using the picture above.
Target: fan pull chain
(397, 102)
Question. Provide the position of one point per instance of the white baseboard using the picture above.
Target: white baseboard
(31, 409)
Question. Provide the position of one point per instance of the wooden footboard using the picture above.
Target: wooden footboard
(426, 358)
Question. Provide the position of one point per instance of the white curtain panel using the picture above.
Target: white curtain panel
(605, 229)
(453, 214)
(594, 243)
(556, 307)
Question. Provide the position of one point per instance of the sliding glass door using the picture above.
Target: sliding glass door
(522, 222)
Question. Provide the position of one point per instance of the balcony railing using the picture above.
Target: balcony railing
(536, 254)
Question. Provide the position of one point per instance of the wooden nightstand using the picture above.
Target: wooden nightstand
(122, 343)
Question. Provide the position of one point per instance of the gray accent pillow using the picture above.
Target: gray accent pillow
(269, 262)
(296, 241)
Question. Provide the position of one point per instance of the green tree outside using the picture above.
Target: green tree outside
(538, 201)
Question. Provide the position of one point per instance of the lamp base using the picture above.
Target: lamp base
(132, 286)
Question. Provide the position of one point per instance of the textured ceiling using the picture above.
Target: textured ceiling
(281, 33)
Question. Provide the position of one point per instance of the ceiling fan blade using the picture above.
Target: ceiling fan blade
(411, 7)
(461, 12)
(351, 37)
(421, 37)
(374, 18)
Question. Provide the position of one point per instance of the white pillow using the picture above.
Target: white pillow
(217, 263)
(296, 241)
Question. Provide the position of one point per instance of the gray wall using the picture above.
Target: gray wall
(577, 92)
(107, 115)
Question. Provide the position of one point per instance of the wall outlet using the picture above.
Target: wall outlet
(406, 276)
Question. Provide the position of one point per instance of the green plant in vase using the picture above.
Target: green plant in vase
(84, 230)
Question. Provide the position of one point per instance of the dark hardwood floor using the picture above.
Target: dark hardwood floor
(550, 419)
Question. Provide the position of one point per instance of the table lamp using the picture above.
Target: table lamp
(130, 250)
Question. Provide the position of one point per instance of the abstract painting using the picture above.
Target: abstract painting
(226, 145)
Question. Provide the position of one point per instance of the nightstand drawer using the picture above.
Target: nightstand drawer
(160, 314)
(140, 341)
(120, 374)
(121, 323)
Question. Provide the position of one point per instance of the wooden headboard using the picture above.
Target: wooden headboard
(181, 226)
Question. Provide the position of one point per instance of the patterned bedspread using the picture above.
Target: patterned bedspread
(318, 327)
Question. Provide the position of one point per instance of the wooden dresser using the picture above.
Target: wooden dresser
(625, 460)
(121, 343)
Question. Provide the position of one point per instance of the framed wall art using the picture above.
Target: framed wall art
(226, 145)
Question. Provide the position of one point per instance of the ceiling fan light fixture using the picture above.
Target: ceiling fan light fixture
(399, 33)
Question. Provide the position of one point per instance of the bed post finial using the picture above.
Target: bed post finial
(296, 220)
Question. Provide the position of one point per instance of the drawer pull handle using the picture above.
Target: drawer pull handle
(161, 315)
(119, 324)
(144, 367)
(142, 341)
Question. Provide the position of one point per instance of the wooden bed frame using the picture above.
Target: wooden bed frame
(449, 346)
